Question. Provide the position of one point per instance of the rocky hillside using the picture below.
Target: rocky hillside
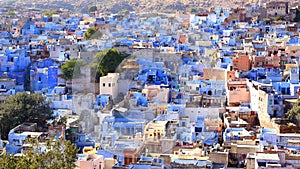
(131, 5)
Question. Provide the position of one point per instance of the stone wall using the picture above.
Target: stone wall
(219, 157)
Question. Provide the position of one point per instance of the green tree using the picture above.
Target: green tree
(60, 121)
(107, 61)
(279, 18)
(297, 17)
(58, 155)
(294, 112)
(92, 33)
(92, 9)
(7, 161)
(50, 13)
(71, 68)
(11, 13)
(21, 108)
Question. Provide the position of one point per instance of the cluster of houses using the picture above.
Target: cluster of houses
(204, 90)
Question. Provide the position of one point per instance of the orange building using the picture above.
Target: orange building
(230, 75)
(241, 62)
(130, 156)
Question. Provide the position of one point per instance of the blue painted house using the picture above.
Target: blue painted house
(84, 141)
(43, 76)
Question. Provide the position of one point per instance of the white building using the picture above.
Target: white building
(109, 84)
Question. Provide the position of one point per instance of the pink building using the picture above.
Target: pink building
(182, 38)
(238, 92)
(90, 161)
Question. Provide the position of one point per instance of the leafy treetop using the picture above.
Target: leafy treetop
(71, 68)
(294, 112)
(297, 17)
(58, 155)
(107, 61)
(21, 108)
(92, 9)
(50, 13)
(92, 33)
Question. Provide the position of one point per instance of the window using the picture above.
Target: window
(198, 130)
(103, 84)
(262, 164)
(127, 130)
(109, 85)
(288, 91)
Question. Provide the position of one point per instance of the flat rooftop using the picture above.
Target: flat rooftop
(268, 157)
